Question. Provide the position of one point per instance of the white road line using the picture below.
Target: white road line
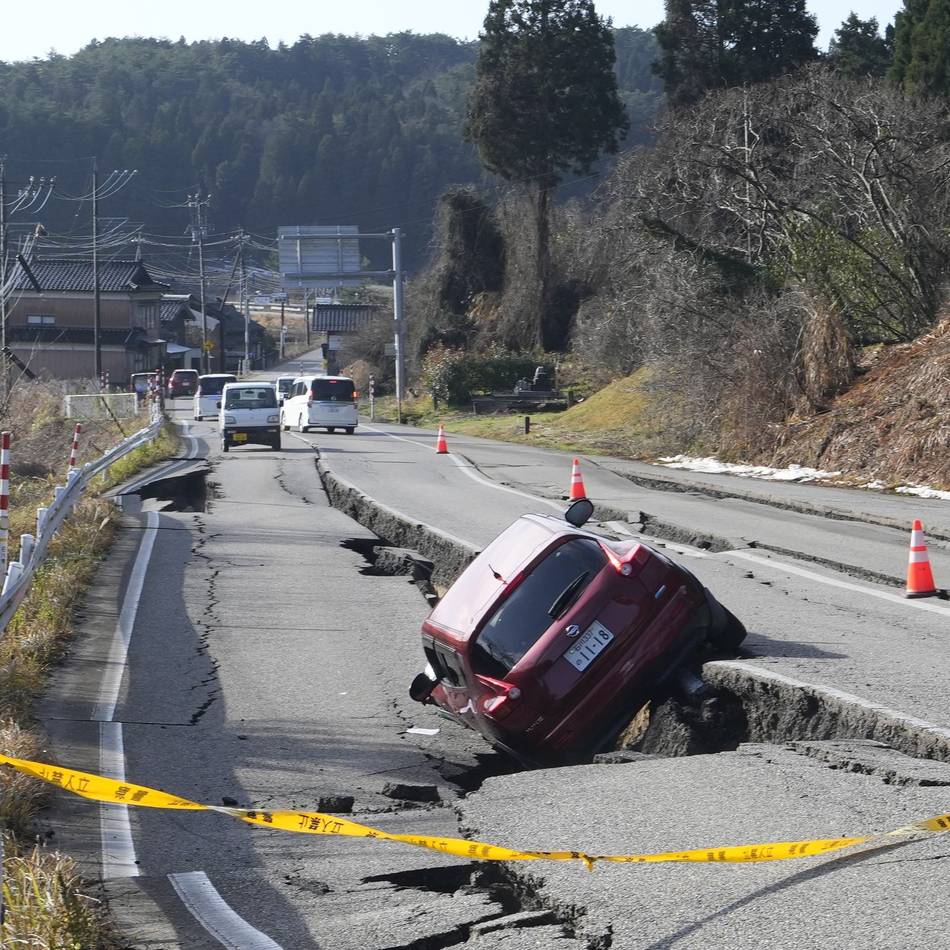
(104, 709)
(783, 567)
(209, 908)
(469, 469)
(115, 829)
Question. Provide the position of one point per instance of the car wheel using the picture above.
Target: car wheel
(225, 445)
(331, 429)
(300, 426)
(283, 423)
(275, 445)
(726, 630)
(349, 430)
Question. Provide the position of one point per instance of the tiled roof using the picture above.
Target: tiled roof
(169, 310)
(343, 317)
(66, 275)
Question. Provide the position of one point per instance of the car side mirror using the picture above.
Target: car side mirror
(217, 405)
(579, 512)
(420, 689)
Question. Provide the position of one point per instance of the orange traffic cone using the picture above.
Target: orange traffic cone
(577, 482)
(920, 578)
(440, 447)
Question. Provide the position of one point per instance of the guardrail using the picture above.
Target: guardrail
(19, 573)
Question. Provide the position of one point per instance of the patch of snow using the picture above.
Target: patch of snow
(793, 473)
(875, 485)
(923, 491)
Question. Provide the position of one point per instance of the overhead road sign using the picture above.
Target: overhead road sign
(318, 255)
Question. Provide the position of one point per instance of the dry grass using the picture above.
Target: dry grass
(47, 907)
(890, 425)
(625, 418)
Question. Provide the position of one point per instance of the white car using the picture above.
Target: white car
(284, 385)
(327, 402)
(248, 415)
(208, 394)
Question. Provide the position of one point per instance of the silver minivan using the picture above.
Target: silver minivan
(208, 394)
(327, 402)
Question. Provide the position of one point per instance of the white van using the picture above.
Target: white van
(208, 393)
(325, 401)
(248, 415)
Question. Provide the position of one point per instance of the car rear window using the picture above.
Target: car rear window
(184, 374)
(251, 397)
(332, 390)
(517, 623)
(212, 385)
(284, 386)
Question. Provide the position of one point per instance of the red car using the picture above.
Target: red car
(553, 636)
(183, 382)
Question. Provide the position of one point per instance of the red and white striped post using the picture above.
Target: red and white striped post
(74, 449)
(4, 501)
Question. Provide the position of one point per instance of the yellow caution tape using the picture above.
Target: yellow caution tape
(101, 789)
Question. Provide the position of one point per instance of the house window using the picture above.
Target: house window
(148, 313)
(40, 320)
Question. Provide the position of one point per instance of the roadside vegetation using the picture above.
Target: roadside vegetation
(47, 905)
(762, 280)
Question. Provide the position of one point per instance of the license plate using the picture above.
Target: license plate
(589, 647)
(239, 437)
(332, 409)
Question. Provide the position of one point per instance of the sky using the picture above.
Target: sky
(29, 32)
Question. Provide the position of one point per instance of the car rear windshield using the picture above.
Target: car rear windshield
(185, 374)
(519, 621)
(212, 385)
(251, 397)
(332, 390)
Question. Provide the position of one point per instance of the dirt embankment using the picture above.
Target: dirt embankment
(893, 424)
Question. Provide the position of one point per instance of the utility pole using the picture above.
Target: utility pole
(245, 307)
(97, 312)
(398, 319)
(198, 224)
(306, 315)
(283, 330)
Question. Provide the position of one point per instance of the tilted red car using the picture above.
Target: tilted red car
(553, 636)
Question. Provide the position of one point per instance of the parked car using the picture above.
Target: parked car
(284, 384)
(554, 636)
(325, 401)
(182, 382)
(248, 415)
(208, 393)
(142, 384)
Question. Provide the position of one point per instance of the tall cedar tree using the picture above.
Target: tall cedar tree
(856, 50)
(714, 44)
(545, 102)
(922, 48)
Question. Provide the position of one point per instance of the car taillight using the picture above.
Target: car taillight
(627, 562)
(356, 395)
(506, 696)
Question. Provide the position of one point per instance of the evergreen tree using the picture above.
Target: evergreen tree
(922, 47)
(857, 50)
(708, 44)
(545, 103)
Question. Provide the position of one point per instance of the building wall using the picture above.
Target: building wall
(77, 361)
(72, 311)
(116, 311)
